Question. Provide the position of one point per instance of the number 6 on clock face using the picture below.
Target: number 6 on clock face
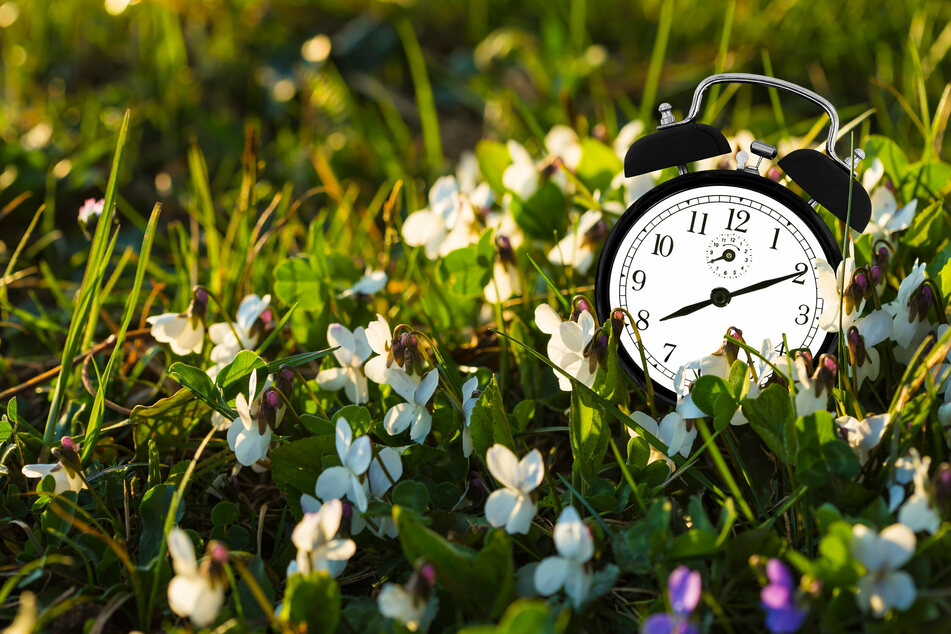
(707, 251)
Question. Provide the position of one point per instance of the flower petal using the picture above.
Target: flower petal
(531, 471)
(520, 519)
(421, 425)
(182, 550)
(332, 379)
(399, 417)
(333, 482)
(379, 482)
(572, 537)
(378, 335)
(343, 439)
(547, 319)
(503, 465)
(550, 575)
(499, 506)
(402, 383)
(339, 336)
(427, 387)
(358, 456)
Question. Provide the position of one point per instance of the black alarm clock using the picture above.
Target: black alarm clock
(709, 250)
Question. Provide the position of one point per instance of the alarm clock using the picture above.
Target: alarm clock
(709, 250)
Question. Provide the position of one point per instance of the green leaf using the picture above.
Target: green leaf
(714, 396)
(523, 414)
(840, 459)
(739, 379)
(926, 180)
(889, 153)
(313, 601)
(543, 215)
(153, 510)
(771, 417)
(295, 280)
(296, 465)
(813, 433)
(928, 229)
(466, 271)
(199, 384)
(166, 421)
(224, 513)
(357, 416)
(598, 166)
(522, 617)
(489, 424)
(939, 270)
(316, 425)
(694, 543)
(835, 565)
(411, 494)
(589, 433)
(482, 581)
(493, 158)
(233, 378)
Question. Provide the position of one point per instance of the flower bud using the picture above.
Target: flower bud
(218, 552)
(856, 290)
(213, 565)
(198, 308)
(68, 455)
(597, 352)
(264, 324)
(284, 381)
(824, 377)
(774, 174)
(875, 272)
(428, 573)
(617, 323)
(596, 234)
(942, 486)
(580, 307)
(880, 257)
(856, 343)
(506, 252)
(346, 510)
(266, 416)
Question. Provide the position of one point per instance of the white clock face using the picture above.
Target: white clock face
(702, 260)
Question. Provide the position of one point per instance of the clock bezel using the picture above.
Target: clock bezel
(676, 185)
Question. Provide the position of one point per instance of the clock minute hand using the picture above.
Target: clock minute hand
(765, 284)
(686, 310)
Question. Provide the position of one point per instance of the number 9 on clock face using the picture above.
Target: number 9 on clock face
(707, 251)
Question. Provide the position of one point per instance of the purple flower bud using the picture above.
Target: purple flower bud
(774, 174)
(68, 444)
(201, 295)
(853, 336)
(861, 280)
(272, 398)
(876, 273)
(346, 510)
(428, 573)
(942, 485)
(603, 340)
(582, 305)
(476, 483)
(218, 552)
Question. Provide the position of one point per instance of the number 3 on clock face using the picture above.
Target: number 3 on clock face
(707, 251)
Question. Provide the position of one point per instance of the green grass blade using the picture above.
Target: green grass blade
(424, 95)
(98, 410)
(657, 61)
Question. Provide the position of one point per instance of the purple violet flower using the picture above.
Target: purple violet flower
(683, 590)
(779, 600)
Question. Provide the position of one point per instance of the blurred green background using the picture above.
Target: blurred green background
(396, 90)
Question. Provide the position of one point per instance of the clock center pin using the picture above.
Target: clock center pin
(720, 296)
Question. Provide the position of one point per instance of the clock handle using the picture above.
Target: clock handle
(763, 80)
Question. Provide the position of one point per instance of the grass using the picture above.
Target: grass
(269, 174)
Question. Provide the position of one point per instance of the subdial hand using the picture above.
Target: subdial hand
(721, 297)
(728, 254)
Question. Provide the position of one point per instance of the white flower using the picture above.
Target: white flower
(884, 586)
(90, 208)
(626, 136)
(192, 592)
(874, 328)
(521, 177)
(352, 350)
(184, 332)
(318, 547)
(562, 141)
(567, 344)
(379, 338)
(907, 334)
(576, 249)
(672, 431)
(811, 394)
(917, 513)
(634, 186)
(873, 173)
(512, 506)
(863, 435)
(377, 483)
(829, 283)
(248, 436)
(227, 346)
(66, 479)
(505, 282)
(450, 221)
(371, 282)
(567, 568)
(470, 396)
(907, 468)
(886, 217)
(413, 412)
(344, 481)
(395, 602)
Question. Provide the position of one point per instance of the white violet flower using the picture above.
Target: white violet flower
(196, 593)
(352, 350)
(672, 431)
(579, 245)
(251, 321)
(344, 481)
(470, 396)
(249, 435)
(567, 568)
(371, 282)
(512, 505)
(183, 332)
(567, 344)
(318, 547)
(884, 586)
(413, 413)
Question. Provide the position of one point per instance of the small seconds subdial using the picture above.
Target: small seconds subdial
(729, 255)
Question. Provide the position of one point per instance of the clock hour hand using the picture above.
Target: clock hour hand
(728, 254)
(721, 297)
